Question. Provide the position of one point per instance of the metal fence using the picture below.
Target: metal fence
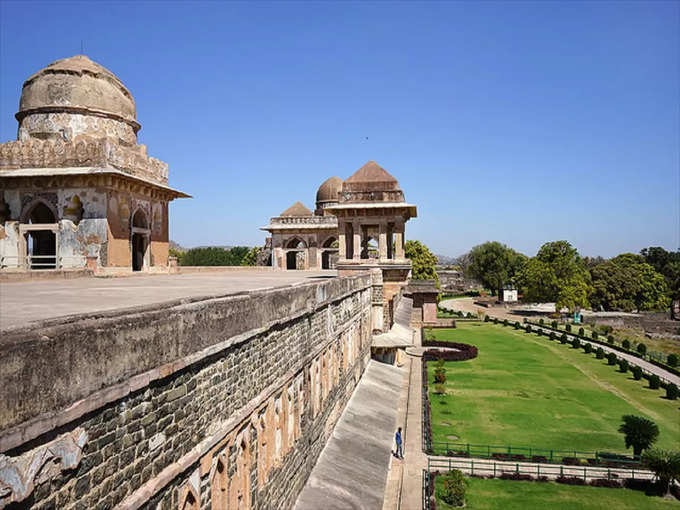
(536, 455)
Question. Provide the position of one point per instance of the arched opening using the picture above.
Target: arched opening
(41, 244)
(329, 255)
(296, 253)
(139, 240)
(189, 499)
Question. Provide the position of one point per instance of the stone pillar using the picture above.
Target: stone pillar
(399, 244)
(377, 302)
(357, 240)
(382, 241)
(342, 240)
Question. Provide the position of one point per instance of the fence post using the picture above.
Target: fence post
(517, 468)
(609, 474)
(584, 473)
(472, 467)
(449, 463)
(561, 470)
(633, 471)
(494, 470)
(551, 455)
(538, 470)
(468, 449)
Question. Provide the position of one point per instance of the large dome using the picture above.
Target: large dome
(71, 94)
(328, 191)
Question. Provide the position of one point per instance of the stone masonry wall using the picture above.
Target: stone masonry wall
(221, 403)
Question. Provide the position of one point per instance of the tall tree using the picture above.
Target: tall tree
(556, 274)
(422, 261)
(639, 432)
(665, 465)
(494, 264)
(668, 264)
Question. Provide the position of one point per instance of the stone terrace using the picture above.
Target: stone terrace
(25, 302)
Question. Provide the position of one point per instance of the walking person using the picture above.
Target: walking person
(400, 450)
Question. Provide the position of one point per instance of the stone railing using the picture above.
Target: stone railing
(330, 221)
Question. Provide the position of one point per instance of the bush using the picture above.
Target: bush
(625, 344)
(594, 335)
(517, 326)
(654, 382)
(554, 324)
(611, 359)
(539, 331)
(576, 343)
(505, 322)
(570, 480)
(563, 338)
(641, 348)
(528, 328)
(672, 360)
(623, 365)
(672, 392)
(599, 354)
(470, 316)
(568, 328)
(588, 348)
(637, 373)
(541, 322)
(581, 331)
(439, 389)
(553, 336)
(453, 489)
(603, 482)
(486, 318)
(610, 340)
(495, 320)
(525, 320)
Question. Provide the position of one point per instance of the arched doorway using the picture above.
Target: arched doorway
(296, 254)
(329, 255)
(140, 240)
(40, 237)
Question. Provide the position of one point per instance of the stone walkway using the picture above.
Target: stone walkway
(466, 305)
(351, 472)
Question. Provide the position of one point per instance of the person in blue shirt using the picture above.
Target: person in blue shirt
(400, 451)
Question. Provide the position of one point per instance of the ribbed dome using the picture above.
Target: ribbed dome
(328, 191)
(80, 86)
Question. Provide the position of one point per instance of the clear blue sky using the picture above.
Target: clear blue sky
(510, 121)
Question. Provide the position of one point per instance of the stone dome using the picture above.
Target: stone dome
(328, 191)
(76, 96)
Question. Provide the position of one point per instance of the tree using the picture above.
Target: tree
(494, 265)
(665, 465)
(422, 261)
(666, 263)
(214, 256)
(250, 258)
(557, 273)
(639, 432)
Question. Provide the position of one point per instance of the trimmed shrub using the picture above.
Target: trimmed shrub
(453, 489)
(539, 331)
(495, 320)
(594, 335)
(599, 354)
(528, 328)
(563, 338)
(610, 340)
(581, 331)
(576, 343)
(672, 392)
(553, 336)
(611, 359)
(625, 344)
(505, 322)
(672, 360)
(603, 482)
(515, 476)
(568, 328)
(637, 373)
(470, 315)
(623, 365)
(486, 318)
(570, 480)
(588, 348)
(517, 326)
(541, 322)
(554, 324)
(642, 348)
(654, 382)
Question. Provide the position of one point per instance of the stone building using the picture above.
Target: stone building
(302, 239)
(76, 187)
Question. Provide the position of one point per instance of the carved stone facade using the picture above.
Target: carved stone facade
(77, 189)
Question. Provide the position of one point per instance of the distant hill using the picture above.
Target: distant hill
(444, 260)
(176, 246)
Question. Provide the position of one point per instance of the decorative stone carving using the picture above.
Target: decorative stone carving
(20, 475)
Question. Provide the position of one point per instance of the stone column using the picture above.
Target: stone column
(382, 241)
(399, 243)
(342, 240)
(357, 240)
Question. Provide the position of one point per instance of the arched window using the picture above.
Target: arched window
(41, 244)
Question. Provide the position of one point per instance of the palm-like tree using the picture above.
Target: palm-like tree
(665, 464)
(639, 432)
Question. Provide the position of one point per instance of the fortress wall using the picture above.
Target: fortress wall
(220, 403)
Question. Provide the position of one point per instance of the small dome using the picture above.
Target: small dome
(328, 191)
(297, 209)
(77, 85)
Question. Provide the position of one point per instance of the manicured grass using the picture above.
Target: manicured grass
(527, 391)
(513, 495)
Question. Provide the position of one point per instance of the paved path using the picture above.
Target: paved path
(351, 472)
(27, 301)
(467, 305)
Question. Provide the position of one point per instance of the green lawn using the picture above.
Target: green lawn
(526, 391)
(510, 495)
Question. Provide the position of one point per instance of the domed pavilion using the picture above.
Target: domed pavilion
(77, 188)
